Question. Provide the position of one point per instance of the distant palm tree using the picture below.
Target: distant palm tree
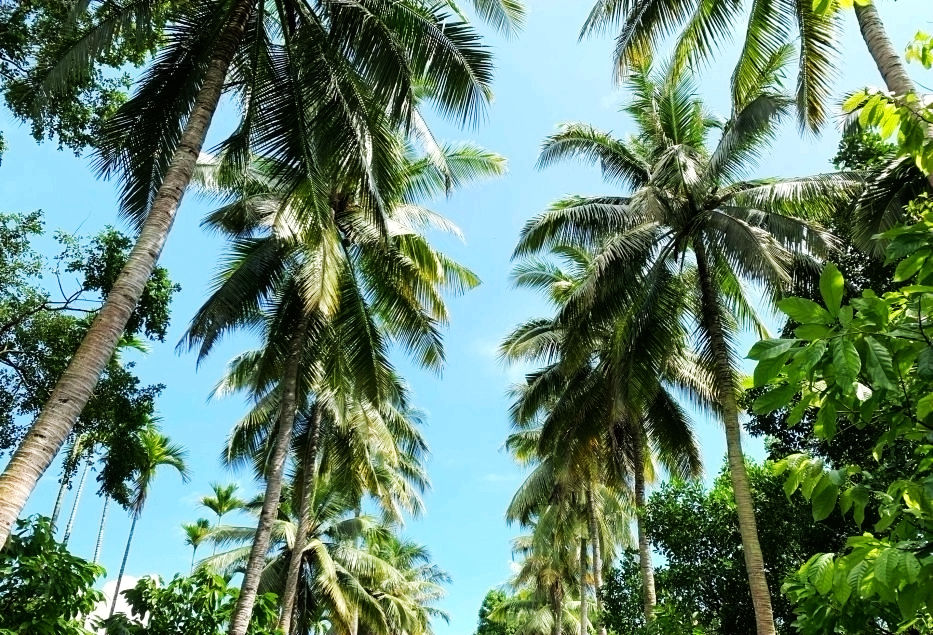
(692, 204)
(195, 534)
(223, 501)
(153, 451)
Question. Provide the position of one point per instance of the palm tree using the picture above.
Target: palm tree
(336, 270)
(322, 75)
(223, 501)
(155, 450)
(195, 534)
(692, 201)
(606, 404)
(704, 25)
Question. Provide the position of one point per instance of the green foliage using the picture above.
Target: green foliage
(921, 49)
(486, 626)
(44, 590)
(870, 366)
(702, 583)
(46, 307)
(199, 604)
(33, 34)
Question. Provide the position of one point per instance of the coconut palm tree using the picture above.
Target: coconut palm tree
(223, 501)
(691, 202)
(701, 26)
(154, 451)
(328, 275)
(607, 407)
(195, 534)
(325, 76)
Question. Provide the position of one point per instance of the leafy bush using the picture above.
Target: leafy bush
(44, 590)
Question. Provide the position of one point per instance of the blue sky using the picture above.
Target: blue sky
(545, 76)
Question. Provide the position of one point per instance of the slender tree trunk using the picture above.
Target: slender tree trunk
(59, 499)
(76, 385)
(194, 551)
(557, 609)
(644, 545)
(597, 557)
(283, 436)
(583, 586)
(126, 554)
(100, 532)
(306, 493)
(727, 391)
(74, 506)
(886, 57)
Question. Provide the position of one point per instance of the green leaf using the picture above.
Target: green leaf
(925, 364)
(845, 360)
(825, 425)
(767, 369)
(824, 498)
(812, 331)
(805, 311)
(822, 572)
(774, 399)
(910, 265)
(878, 363)
(767, 349)
(831, 288)
(925, 406)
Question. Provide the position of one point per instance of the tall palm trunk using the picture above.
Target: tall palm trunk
(59, 500)
(270, 504)
(726, 384)
(597, 556)
(583, 599)
(644, 545)
(884, 54)
(194, 552)
(305, 493)
(74, 506)
(76, 385)
(126, 554)
(100, 531)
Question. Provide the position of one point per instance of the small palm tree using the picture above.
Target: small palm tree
(223, 501)
(154, 450)
(691, 203)
(195, 534)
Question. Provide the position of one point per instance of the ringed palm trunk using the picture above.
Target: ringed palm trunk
(100, 531)
(59, 500)
(76, 385)
(74, 507)
(583, 600)
(884, 54)
(126, 553)
(597, 557)
(306, 492)
(644, 545)
(270, 505)
(725, 381)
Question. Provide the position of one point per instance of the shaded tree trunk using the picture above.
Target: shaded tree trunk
(283, 436)
(74, 507)
(194, 551)
(726, 390)
(76, 385)
(886, 57)
(306, 493)
(583, 586)
(557, 610)
(126, 554)
(593, 527)
(644, 545)
(100, 531)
